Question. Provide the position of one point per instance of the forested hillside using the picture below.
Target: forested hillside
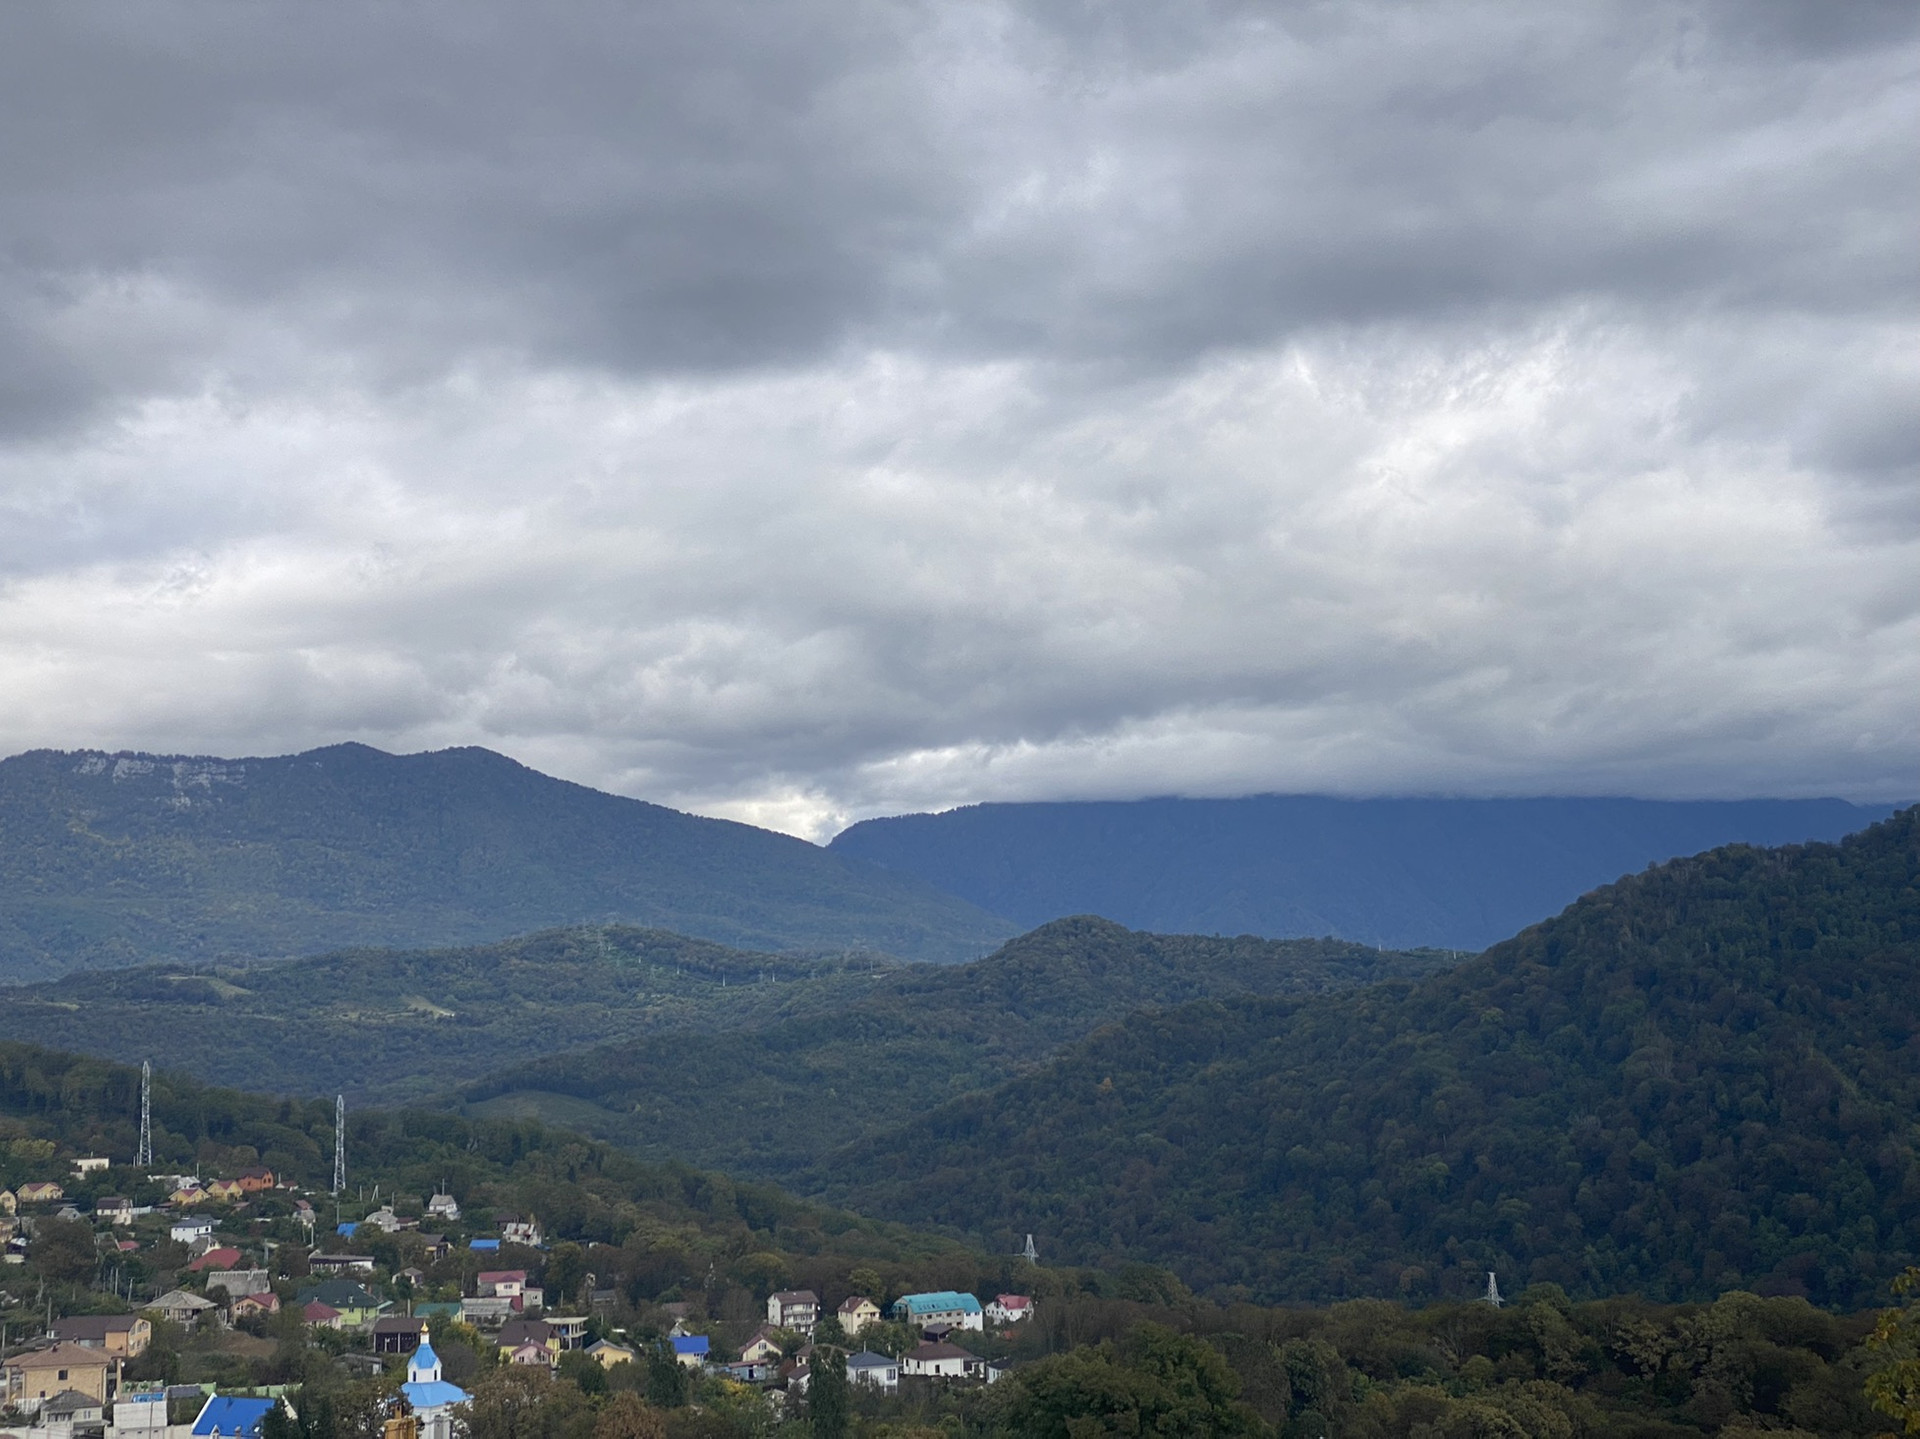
(773, 1099)
(677, 1224)
(396, 1026)
(1702, 1077)
(130, 859)
(1460, 874)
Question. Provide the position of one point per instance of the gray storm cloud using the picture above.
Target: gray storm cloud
(802, 412)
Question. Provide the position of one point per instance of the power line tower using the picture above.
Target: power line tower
(1492, 1296)
(339, 1144)
(143, 1156)
(1028, 1252)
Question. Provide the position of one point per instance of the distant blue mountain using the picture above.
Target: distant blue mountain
(1451, 873)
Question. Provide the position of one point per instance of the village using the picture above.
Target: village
(419, 1292)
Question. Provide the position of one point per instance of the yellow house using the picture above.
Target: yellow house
(29, 1380)
(856, 1313)
(190, 1195)
(226, 1189)
(8, 1204)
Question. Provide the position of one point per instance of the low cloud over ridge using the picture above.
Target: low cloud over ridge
(802, 412)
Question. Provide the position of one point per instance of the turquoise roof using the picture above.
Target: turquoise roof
(940, 1301)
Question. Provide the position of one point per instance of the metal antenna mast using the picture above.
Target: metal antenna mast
(143, 1157)
(1492, 1296)
(339, 1144)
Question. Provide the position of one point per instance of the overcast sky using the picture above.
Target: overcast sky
(805, 411)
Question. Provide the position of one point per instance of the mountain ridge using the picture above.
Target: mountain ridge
(112, 859)
(1402, 873)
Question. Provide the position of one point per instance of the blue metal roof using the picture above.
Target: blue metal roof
(348, 1228)
(434, 1394)
(691, 1344)
(230, 1415)
(483, 1244)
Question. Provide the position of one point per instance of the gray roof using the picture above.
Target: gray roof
(69, 1401)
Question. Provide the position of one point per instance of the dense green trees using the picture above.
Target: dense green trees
(1700, 1077)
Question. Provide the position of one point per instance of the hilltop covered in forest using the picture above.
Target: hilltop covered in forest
(1701, 1077)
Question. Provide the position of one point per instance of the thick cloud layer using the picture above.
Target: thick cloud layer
(807, 411)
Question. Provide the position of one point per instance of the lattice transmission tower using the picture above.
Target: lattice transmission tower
(143, 1156)
(339, 1144)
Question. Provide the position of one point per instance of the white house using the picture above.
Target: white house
(875, 1370)
(443, 1206)
(943, 1361)
(185, 1231)
(794, 1309)
(1005, 1309)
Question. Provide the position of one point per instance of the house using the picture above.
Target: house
(518, 1333)
(486, 1313)
(434, 1246)
(763, 1347)
(943, 1306)
(943, 1361)
(484, 1246)
(515, 1230)
(607, 1354)
(1005, 1309)
(443, 1206)
(386, 1221)
(358, 1309)
(264, 1303)
(70, 1411)
(177, 1306)
(9, 1203)
(28, 1380)
(238, 1282)
(225, 1190)
(334, 1264)
(398, 1334)
(221, 1257)
(253, 1181)
(185, 1231)
(794, 1309)
(501, 1283)
(114, 1209)
(691, 1349)
(231, 1417)
(41, 1191)
(90, 1164)
(569, 1329)
(432, 1398)
(748, 1371)
(856, 1313)
(124, 1335)
(875, 1370)
(188, 1194)
(528, 1353)
(303, 1215)
(415, 1278)
(322, 1316)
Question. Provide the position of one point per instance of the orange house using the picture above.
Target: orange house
(252, 1181)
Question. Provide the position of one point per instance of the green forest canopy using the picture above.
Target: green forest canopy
(1700, 1078)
